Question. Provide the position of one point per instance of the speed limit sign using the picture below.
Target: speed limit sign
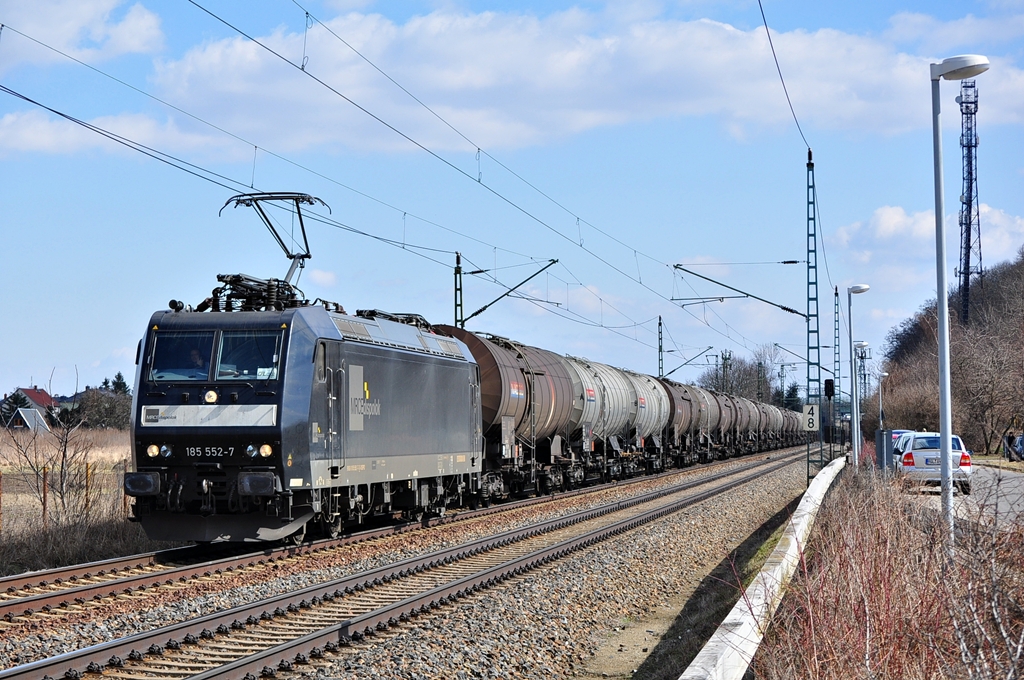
(810, 418)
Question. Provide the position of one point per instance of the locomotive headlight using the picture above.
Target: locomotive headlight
(165, 451)
(152, 450)
(266, 450)
(251, 451)
(210, 397)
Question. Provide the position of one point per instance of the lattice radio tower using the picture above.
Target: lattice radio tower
(970, 222)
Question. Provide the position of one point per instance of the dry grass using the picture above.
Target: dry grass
(90, 526)
(107, 448)
(878, 597)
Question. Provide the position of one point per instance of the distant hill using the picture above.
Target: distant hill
(986, 363)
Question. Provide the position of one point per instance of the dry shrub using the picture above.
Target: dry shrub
(877, 596)
(101, 532)
(80, 527)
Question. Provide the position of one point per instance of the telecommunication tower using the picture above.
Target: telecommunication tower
(970, 222)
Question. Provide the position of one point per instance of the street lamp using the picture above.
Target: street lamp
(954, 68)
(881, 413)
(855, 289)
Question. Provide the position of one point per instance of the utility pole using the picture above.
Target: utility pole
(836, 370)
(760, 381)
(661, 352)
(815, 450)
(459, 322)
(726, 358)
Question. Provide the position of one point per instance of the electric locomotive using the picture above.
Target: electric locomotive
(258, 415)
(295, 418)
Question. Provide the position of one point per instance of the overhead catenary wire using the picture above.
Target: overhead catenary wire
(477, 180)
(779, 69)
(223, 181)
(257, 147)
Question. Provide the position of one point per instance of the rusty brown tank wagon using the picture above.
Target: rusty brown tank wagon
(259, 415)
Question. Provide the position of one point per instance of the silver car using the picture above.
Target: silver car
(920, 460)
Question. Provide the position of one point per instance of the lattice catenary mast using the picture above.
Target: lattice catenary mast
(814, 448)
(970, 222)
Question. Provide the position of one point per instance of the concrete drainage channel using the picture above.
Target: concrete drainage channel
(728, 653)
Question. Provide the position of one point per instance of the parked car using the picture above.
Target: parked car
(900, 445)
(896, 434)
(920, 460)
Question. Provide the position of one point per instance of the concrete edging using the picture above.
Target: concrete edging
(728, 653)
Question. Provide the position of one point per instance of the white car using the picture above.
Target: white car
(920, 460)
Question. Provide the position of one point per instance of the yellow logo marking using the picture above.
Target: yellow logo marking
(366, 390)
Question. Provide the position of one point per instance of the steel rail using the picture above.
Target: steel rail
(298, 651)
(135, 648)
(60, 589)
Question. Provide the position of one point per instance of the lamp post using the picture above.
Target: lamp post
(856, 289)
(954, 68)
(881, 413)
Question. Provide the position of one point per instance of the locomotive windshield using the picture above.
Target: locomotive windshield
(249, 355)
(241, 355)
(182, 355)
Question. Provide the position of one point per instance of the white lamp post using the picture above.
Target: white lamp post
(854, 408)
(881, 413)
(954, 68)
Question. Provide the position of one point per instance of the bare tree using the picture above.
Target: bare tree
(63, 453)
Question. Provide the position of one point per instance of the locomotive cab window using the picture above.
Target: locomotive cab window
(321, 362)
(182, 355)
(249, 355)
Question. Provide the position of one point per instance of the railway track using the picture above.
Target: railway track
(296, 628)
(77, 587)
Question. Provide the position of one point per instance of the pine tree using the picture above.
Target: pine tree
(10, 407)
(119, 385)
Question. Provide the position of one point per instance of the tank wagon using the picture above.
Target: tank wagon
(258, 416)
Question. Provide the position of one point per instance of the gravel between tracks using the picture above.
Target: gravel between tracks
(541, 625)
(550, 622)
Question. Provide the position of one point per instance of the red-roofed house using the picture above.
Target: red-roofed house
(29, 409)
(39, 399)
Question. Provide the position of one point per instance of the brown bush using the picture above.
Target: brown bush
(879, 597)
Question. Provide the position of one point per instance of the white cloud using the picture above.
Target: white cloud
(322, 278)
(942, 37)
(91, 30)
(510, 80)
(893, 221)
(36, 131)
(1002, 234)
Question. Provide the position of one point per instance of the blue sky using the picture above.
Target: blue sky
(658, 133)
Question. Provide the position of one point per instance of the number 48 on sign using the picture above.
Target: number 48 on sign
(810, 418)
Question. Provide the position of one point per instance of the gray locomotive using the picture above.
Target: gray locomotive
(259, 416)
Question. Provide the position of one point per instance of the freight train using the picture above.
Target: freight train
(259, 416)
